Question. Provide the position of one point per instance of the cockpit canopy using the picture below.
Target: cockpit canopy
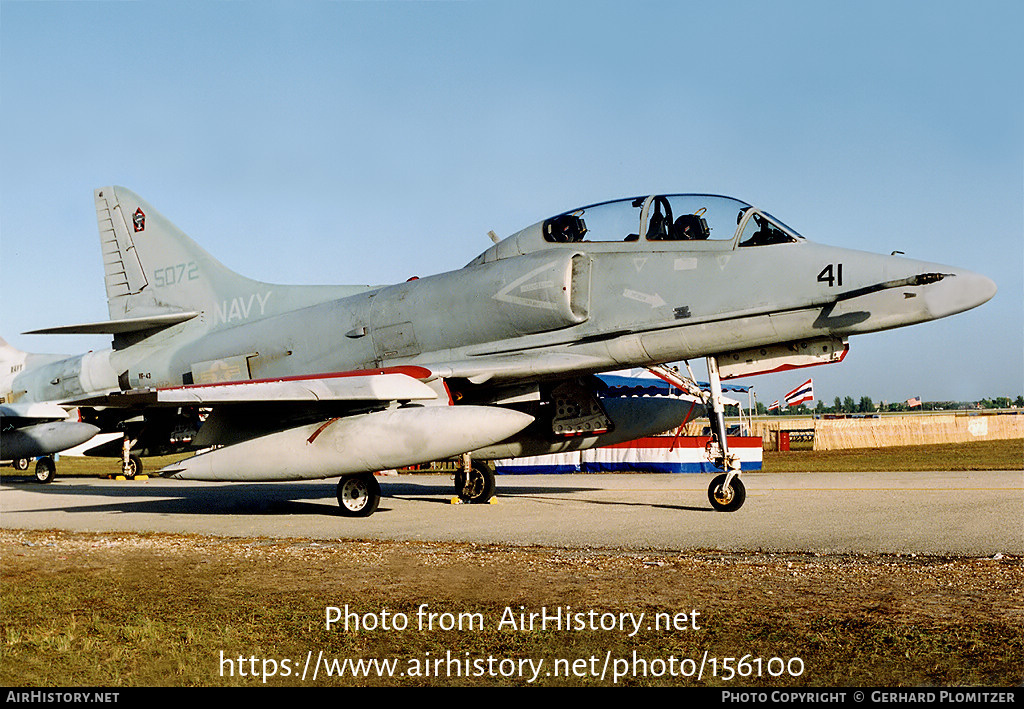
(683, 217)
(670, 222)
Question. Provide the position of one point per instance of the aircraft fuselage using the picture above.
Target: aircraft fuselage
(489, 360)
(529, 308)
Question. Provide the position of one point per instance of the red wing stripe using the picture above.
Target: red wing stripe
(420, 373)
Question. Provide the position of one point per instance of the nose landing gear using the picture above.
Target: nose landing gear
(726, 492)
(726, 495)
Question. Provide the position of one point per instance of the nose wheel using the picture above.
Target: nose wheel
(726, 493)
(726, 496)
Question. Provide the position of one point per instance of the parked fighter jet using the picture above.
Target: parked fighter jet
(495, 359)
(35, 429)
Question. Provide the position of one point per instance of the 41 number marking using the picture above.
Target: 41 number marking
(832, 274)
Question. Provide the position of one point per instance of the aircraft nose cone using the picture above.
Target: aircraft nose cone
(960, 291)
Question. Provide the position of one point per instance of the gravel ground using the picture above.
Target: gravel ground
(920, 588)
(852, 619)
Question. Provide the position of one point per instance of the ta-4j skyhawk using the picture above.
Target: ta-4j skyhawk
(495, 360)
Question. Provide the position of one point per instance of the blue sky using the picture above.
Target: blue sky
(367, 142)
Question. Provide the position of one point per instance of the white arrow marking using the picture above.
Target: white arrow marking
(655, 301)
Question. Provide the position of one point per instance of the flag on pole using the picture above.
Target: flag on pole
(916, 401)
(804, 392)
(775, 406)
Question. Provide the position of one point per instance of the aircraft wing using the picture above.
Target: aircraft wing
(33, 411)
(243, 410)
(372, 385)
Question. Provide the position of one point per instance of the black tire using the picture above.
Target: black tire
(726, 500)
(20, 464)
(134, 467)
(46, 470)
(358, 495)
(479, 488)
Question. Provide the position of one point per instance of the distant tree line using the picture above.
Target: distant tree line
(847, 405)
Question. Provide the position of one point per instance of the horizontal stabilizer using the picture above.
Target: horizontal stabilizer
(117, 327)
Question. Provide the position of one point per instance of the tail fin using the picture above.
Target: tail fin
(10, 358)
(156, 276)
(152, 268)
(13, 363)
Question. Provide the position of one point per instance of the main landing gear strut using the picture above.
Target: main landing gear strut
(131, 464)
(474, 481)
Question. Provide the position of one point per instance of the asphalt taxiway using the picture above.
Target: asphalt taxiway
(977, 513)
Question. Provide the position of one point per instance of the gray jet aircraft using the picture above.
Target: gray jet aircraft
(493, 360)
(35, 429)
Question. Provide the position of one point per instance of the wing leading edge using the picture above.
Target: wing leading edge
(371, 386)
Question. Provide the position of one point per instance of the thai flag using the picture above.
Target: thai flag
(804, 392)
(774, 406)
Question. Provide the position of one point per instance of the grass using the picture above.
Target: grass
(977, 455)
(83, 466)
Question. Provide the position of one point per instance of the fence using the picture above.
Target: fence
(885, 431)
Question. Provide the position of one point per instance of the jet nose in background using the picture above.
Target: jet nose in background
(957, 292)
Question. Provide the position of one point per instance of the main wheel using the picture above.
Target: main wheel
(358, 495)
(134, 467)
(726, 499)
(479, 487)
(46, 469)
